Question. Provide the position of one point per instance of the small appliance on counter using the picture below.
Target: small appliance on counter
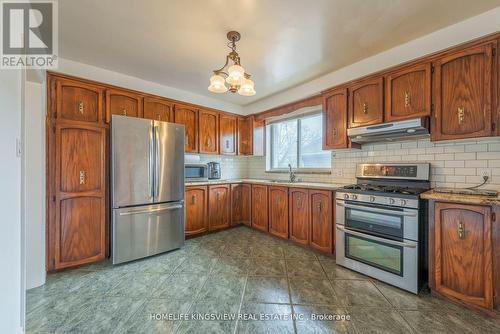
(214, 170)
(195, 172)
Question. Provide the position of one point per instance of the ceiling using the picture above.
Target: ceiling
(284, 43)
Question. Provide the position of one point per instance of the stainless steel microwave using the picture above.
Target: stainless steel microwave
(196, 172)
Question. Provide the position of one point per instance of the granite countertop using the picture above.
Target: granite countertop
(299, 184)
(460, 198)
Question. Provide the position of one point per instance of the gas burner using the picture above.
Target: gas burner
(384, 189)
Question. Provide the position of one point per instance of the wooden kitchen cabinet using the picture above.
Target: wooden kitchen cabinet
(335, 119)
(78, 101)
(278, 211)
(464, 88)
(461, 253)
(158, 109)
(241, 206)
(321, 230)
(408, 93)
(208, 125)
(258, 137)
(299, 215)
(228, 132)
(219, 209)
(260, 218)
(245, 136)
(366, 102)
(188, 115)
(124, 103)
(196, 202)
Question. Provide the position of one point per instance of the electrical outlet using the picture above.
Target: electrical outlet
(338, 173)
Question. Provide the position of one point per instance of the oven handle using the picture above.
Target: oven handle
(370, 237)
(371, 208)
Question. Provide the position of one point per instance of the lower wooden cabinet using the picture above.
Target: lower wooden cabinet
(241, 204)
(299, 215)
(260, 218)
(219, 210)
(461, 253)
(278, 211)
(321, 220)
(196, 220)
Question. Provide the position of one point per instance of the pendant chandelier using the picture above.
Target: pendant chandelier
(234, 79)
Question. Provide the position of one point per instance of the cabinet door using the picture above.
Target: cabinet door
(228, 133)
(299, 215)
(260, 219)
(123, 103)
(408, 93)
(241, 205)
(158, 109)
(366, 103)
(78, 101)
(78, 233)
(196, 210)
(321, 220)
(463, 252)
(209, 131)
(188, 116)
(463, 94)
(245, 134)
(335, 120)
(219, 210)
(278, 211)
(258, 137)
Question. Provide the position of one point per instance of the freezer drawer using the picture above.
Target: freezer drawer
(146, 230)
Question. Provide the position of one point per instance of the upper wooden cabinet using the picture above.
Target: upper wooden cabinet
(299, 215)
(245, 136)
(462, 253)
(258, 137)
(188, 116)
(78, 101)
(196, 220)
(241, 204)
(335, 119)
(366, 102)
(208, 122)
(260, 219)
(321, 220)
(158, 109)
(278, 211)
(463, 91)
(121, 102)
(219, 208)
(408, 93)
(228, 132)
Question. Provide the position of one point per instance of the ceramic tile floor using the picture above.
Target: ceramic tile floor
(237, 271)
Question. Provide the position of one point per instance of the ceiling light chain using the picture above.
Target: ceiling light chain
(238, 80)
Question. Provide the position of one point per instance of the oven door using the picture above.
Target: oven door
(391, 261)
(379, 220)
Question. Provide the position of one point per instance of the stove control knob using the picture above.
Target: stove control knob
(346, 196)
(372, 198)
(391, 201)
(403, 202)
(354, 196)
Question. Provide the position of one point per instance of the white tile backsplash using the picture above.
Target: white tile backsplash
(232, 167)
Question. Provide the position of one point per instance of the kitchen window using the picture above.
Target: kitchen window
(297, 141)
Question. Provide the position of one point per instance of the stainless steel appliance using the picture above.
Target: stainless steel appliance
(147, 187)
(381, 224)
(413, 128)
(196, 172)
(214, 170)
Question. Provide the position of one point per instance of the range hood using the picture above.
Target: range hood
(414, 128)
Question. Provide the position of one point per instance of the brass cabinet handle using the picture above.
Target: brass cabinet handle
(365, 108)
(80, 107)
(83, 176)
(407, 100)
(158, 116)
(461, 115)
(227, 143)
(124, 112)
(334, 132)
(461, 230)
(299, 203)
(320, 206)
(193, 199)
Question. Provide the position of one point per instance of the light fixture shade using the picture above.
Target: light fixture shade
(236, 74)
(217, 84)
(247, 88)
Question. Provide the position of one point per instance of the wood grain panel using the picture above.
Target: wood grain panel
(299, 215)
(209, 131)
(78, 101)
(260, 218)
(366, 102)
(189, 117)
(278, 211)
(158, 109)
(196, 221)
(241, 205)
(124, 103)
(228, 134)
(335, 119)
(321, 220)
(245, 136)
(259, 137)
(219, 210)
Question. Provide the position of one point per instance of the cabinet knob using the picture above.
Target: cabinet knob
(80, 107)
(461, 115)
(365, 108)
(461, 230)
(124, 112)
(407, 100)
(83, 177)
(193, 199)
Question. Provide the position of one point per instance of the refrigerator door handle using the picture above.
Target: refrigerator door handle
(136, 212)
(157, 160)
(151, 167)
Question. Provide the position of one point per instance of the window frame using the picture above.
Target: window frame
(299, 170)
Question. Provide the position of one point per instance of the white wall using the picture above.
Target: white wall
(11, 299)
(477, 26)
(34, 148)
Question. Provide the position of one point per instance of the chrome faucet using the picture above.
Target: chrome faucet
(292, 176)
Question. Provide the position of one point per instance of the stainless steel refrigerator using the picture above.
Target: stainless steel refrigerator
(147, 187)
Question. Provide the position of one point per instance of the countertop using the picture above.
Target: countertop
(459, 198)
(299, 184)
